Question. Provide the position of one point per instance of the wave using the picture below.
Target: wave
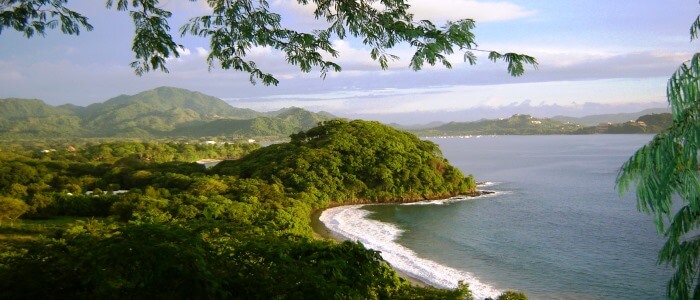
(457, 199)
(487, 183)
(350, 222)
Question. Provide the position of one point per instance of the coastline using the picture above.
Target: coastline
(320, 231)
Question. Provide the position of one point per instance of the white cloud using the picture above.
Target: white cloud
(481, 11)
(184, 52)
(352, 58)
(202, 52)
(190, 7)
(295, 7)
(260, 51)
(391, 101)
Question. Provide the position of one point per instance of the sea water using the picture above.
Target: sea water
(556, 228)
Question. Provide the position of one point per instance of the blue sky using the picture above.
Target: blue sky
(609, 55)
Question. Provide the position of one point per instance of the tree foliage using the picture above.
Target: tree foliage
(511, 295)
(355, 161)
(35, 16)
(169, 228)
(11, 209)
(667, 169)
(235, 27)
(200, 260)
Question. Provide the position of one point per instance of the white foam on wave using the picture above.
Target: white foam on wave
(351, 223)
(457, 199)
(427, 202)
(487, 183)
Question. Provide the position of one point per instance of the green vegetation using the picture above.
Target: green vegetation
(355, 161)
(593, 120)
(511, 295)
(665, 170)
(176, 113)
(517, 124)
(528, 125)
(157, 113)
(653, 123)
(11, 209)
(148, 223)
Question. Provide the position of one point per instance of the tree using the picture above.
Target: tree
(511, 295)
(667, 168)
(11, 209)
(234, 27)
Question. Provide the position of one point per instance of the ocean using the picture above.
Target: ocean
(556, 228)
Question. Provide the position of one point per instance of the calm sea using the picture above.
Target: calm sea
(555, 229)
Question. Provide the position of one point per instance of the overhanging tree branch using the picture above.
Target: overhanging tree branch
(236, 26)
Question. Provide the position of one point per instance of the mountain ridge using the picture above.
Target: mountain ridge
(591, 120)
(177, 112)
(159, 112)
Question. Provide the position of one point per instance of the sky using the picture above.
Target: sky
(595, 56)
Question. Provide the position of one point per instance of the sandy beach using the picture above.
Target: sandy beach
(322, 232)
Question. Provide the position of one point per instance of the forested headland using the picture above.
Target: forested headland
(141, 220)
(520, 124)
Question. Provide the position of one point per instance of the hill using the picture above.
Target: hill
(609, 118)
(161, 112)
(258, 127)
(158, 111)
(417, 126)
(517, 125)
(33, 117)
(135, 220)
(17, 109)
(653, 123)
(355, 161)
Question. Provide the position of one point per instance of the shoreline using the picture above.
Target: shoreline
(320, 231)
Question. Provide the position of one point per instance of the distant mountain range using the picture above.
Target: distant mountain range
(610, 118)
(161, 112)
(175, 112)
(528, 125)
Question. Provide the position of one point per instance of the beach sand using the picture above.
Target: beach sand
(322, 232)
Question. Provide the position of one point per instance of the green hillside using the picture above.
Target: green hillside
(528, 125)
(34, 118)
(161, 112)
(303, 119)
(516, 125)
(165, 99)
(261, 126)
(158, 111)
(653, 123)
(356, 161)
(18, 109)
(593, 120)
(156, 226)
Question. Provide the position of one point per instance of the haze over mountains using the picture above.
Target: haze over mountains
(175, 112)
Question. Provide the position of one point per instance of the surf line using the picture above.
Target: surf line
(351, 223)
